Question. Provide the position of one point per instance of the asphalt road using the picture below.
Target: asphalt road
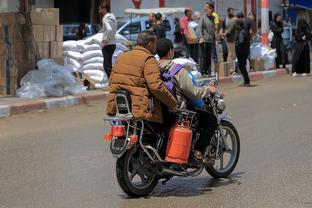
(58, 158)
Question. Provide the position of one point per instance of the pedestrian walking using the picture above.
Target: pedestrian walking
(242, 47)
(109, 31)
(301, 55)
(277, 43)
(191, 45)
(207, 31)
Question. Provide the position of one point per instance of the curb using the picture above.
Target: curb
(51, 103)
(254, 76)
(54, 103)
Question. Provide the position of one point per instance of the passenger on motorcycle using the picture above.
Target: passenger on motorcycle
(137, 71)
(180, 83)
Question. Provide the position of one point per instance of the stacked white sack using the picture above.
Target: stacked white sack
(86, 56)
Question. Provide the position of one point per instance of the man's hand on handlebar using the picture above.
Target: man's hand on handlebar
(212, 89)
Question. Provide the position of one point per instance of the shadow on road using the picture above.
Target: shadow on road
(189, 187)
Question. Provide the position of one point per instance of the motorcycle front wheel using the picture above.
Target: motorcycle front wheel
(227, 159)
(135, 173)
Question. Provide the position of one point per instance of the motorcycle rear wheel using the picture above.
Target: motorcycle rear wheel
(129, 170)
(223, 172)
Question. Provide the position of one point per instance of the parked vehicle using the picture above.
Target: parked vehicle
(70, 30)
(140, 162)
(134, 26)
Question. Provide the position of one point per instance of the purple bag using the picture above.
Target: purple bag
(167, 77)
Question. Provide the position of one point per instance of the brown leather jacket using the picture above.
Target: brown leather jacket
(137, 71)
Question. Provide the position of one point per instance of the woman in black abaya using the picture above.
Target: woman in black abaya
(301, 55)
(277, 43)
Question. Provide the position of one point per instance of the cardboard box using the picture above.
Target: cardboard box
(257, 65)
(2, 48)
(43, 49)
(11, 18)
(59, 31)
(50, 16)
(38, 31)
(224, 69)
(14, 33)
(56, 50)
(49, 33)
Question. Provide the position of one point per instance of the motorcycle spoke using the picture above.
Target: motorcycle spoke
(134, 172)
(221, 162)
(143, 179)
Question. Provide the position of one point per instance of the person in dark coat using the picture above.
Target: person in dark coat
(242, 48)
(277, 43)
(301, 55)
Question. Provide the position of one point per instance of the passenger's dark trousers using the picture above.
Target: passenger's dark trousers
(214, 53)
(206, 58)
(208, 124)
(242, 61)
(108, 52)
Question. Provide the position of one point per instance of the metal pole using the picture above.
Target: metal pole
(265, 21)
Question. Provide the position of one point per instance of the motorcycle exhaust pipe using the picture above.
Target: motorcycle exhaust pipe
(167, 171)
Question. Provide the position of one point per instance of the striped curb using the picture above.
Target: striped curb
(50, 103)
(4, 111)
(254, 76)
(54, 103)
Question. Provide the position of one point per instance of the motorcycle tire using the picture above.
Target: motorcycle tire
(123, 178)
(215, 173)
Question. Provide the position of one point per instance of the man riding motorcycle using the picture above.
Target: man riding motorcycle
(184, 90)
(137, 72)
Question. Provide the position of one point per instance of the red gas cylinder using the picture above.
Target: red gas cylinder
(179, 145)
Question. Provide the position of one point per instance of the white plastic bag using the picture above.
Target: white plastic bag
(30, 90)
(55, 91)
(269, 59)
(91, 54)
(186, 63)
(255, 51)
(44, 64)
(75, 90)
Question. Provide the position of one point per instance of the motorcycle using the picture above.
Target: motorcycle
(141, 163)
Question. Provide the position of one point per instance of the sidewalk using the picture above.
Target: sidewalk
(11, 105)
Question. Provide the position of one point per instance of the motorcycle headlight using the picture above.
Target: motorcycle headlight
(221, 105)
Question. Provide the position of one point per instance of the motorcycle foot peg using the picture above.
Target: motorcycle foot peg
(208, 162)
